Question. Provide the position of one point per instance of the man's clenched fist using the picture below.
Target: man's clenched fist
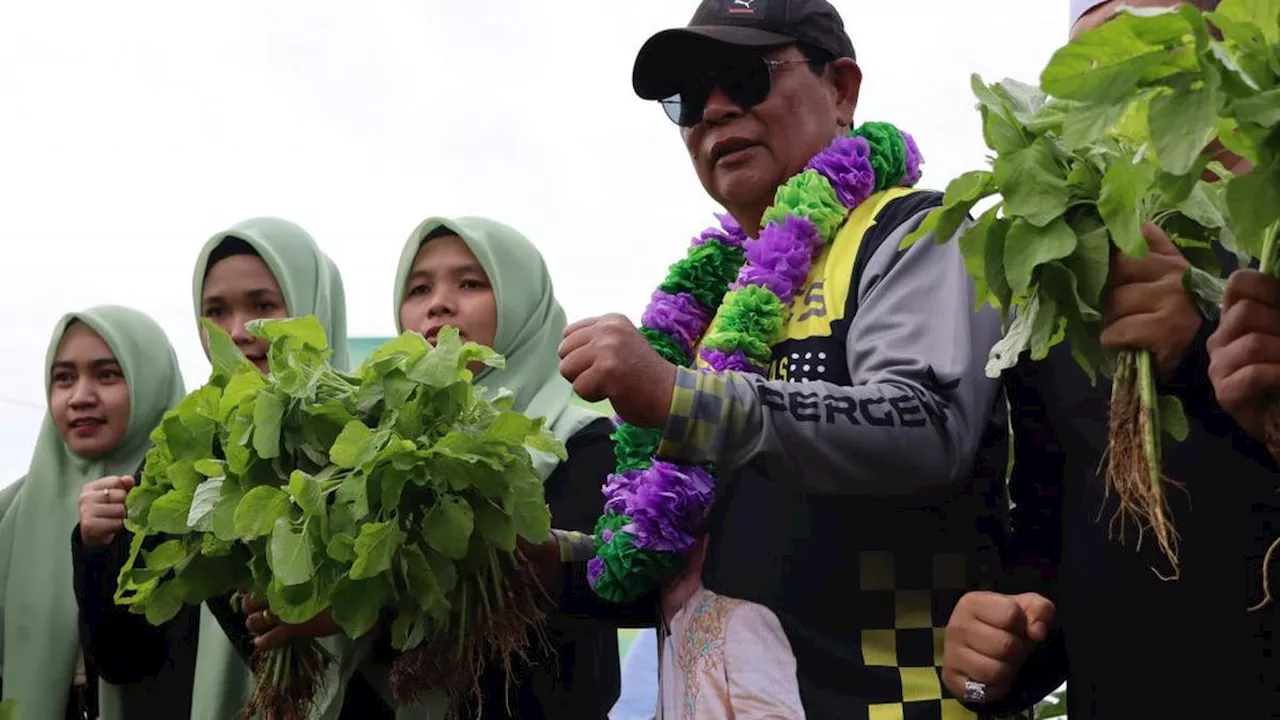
(988, 638)
(607, 358)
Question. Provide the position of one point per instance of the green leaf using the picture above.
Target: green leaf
(224, 514)
(444, 570)
(357, 604)
(258, 511)
(1047, 330)
(406, 348)
(353, 493)
(165, 601)
(1028, 247)
(973, 249)
(224, 355)
(448, 525)
(993, 264)
(441, 366)
(1182, 121)
(291, 561)
(165, 555)
(1107, 64)
(242, 388)
(210, 468)
(421, 580)
(493, 524)
(1017, 338)
(1059, 283)
(545, 441)
(1261, 14)
(1207, 290)
(1172, 419)
(268, 411)
(1090, 264)
(1123, 185)
(375, 546)
(527, 506)
(305, 330)
(1034, 187)
(355, 446)
(342, 548)
(307, 493)
(200, 515)
(1252, 200)
(169, 513)
(1084, 125)
(962, 194)
(297, 604)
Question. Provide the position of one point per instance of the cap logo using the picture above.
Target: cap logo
(744, 8)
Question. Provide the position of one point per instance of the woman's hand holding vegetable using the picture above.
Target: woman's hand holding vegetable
(1244, 352)
(270, 633)
(102, 510)
(1147, 305)
(988, 638)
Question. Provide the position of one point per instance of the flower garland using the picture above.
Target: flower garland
(655, 510)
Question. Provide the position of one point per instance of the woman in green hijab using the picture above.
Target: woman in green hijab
(492, 284)
(110, 375)
(261, 268)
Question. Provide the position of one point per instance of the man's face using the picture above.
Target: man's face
(742, 155)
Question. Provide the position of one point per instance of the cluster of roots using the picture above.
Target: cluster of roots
(287, 681)
(1133, 473)
(504, 623)
(1271, 432)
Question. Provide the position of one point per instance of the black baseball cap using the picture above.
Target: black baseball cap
(748, 24)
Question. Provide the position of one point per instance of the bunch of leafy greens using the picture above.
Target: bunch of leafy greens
(1120, 144)
(397, 491)
(1196, 78)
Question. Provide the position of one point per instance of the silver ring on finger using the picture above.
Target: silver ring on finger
(975, 692)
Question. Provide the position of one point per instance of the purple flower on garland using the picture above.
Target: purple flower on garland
(595, 569)
(730, 233)
(846, 163)
(668, 507)
(781, 258)
(679, 315)
(619, 489)
(736, 361)
(913, 161)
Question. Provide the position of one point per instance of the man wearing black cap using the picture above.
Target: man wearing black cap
(857, 480)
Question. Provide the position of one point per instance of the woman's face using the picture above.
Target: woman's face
(238, 289)
(447, 286)
(88, 395)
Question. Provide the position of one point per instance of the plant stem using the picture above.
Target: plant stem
(1269, 263)
(1150, 416)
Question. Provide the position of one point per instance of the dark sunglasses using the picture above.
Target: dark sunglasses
(747, 82)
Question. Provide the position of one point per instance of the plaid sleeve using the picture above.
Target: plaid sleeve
(696, 424)
(575, 547)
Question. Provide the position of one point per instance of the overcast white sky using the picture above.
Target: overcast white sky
(131, 131)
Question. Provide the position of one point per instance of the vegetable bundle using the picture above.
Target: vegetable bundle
(1120, 144)
(393, 494)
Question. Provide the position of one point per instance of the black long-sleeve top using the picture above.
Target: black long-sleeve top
(1129, 643)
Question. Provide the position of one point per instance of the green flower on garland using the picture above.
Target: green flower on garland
(749, 321)
(811, 196)
(626, 572)
(666, 346)
(634, 447)
(888, 152)
(705, 272)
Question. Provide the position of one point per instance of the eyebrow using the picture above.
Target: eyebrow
(95, 364)
(462, 269)
(256, 294)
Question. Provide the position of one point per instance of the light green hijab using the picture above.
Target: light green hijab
(531, 323)
(41, 640)
(311, 285)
